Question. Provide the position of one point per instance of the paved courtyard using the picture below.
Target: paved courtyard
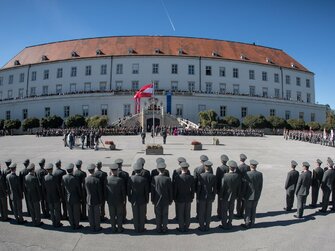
(274, 229)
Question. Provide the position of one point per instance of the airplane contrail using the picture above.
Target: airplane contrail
(168, 15)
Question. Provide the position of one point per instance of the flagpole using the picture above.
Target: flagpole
(153, 111)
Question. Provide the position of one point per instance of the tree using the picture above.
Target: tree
(52, 122)
(75, 121)
(11, 124)
(1, 123)
(276, 122)
(231, 121)
(255, 121)
(30, 123)
(296, 124)
(315, 126)
(330, 119)
(207, 117)
(97, 121)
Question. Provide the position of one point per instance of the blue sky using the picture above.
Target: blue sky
(305, 29)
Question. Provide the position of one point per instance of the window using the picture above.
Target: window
(236, 89)
(119, 69)
(73, 71)
(24, 113)
(85, 110)
(222, 88)
(298, 81)
(301, 115)
(251, 74)
(87, 87)
(103, 86)
(308, 98)
(287, 115)
(32, 91)
(244, 111)
(299, 96)
(33, 76)
(208, 70)
(276, 78)
(134, 85)
(308, 83)
(66, 111)
(179, 110)
(191, 86)
(0, 95)
(7, 115)
(287, 79)
(104, 110)
(201, 108)
(126, 109)
(272, 112)
(312, 117)
(264, 76)
(156, 84)
(155, 68)
(73, 87)
(265, 92)
(223, 111)
(21, 93)
(45, 90)
(136, 68)
(46, 74)
(10, 94)
(222, 71)
(46, 111)
(21, 77)
(59, 72)
(252, 90)
(209, 87)
(103, 69)
(191, 69)
(118, 85)
(1, 80)
(174, 69)
(58, 89)
(277, 91)
(174, 86)
(288, 94)
(88, 70)
(235, 73)
(10, 79)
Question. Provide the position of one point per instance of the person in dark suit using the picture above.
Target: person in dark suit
(230, 188)
(72, 189)
(33, 195)
(253, 192)
(220, 172)
(125, 176)
(155, 172)
(138, 196)
(290, 185)
(196, 173)
(40, 173)
(302, 189)
(102, 176)
(6, 172)
(242, 171)
(53, 196)
(15, 193)
(116, 196)
(164, 135)
(22, 176)
(206, 191)
(161, 197)
(58, 173)
(143, 134)
(327, 184)
(94, 197)
(3, 196)
(183, 194)
(316, 182)
(81, 175)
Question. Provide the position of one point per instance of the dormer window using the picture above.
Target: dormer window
(243, 57)
(74, 54)
(17, 62)
(157, 51)
(180, 51)
(99, 52)
(293, 65)
(131, 51)
(215, 54)
(44, 58)
(268, 60)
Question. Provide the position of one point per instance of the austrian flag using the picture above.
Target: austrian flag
(145, 91)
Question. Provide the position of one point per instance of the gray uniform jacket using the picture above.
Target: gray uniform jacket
(183, 188)
(72, 189)
(138, 190)
(206, 188)
(328, 180)
(161, 193)
(303, 184)
(230, 186)
(102, 176)
(115, 191)
(15, 189)
(93, 190)
(33, 188)
(52, 188)
(317, 176)
(291, 181)
(220, 172)
(254, 186)
(3, 186)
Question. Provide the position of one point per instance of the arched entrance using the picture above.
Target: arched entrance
(150, 122)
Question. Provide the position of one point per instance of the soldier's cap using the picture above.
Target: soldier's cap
(31, 167)
(42, 161)
(184, 164)
(140, 161)
(58, 162)
(305, 163)
(91, 167)
(26, 162)
(224, 157)
(208, 163)
(49, 166)
(253, 162)
(69, 166)
(203, 158)
(158, 160)
(319, 161)
(8, 161)
(79, 162)
(114, 166)
(118, 161)
(330, 161)
(12, 166)
(181, 159)
(294, 163)
(137, 166)
(243, 156)
(232, 163)
(161, 165)
(99, 163)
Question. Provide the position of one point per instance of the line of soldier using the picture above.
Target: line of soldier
(310, 136)
(68, 194)
(299, 185)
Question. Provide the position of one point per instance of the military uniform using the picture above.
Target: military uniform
(81, 175)
(316, 183)
(327, 184)
(125, 176)
(196, 173)
(40, 173)
(58, 174)
(220, 172)
(242, 171)
(302, 190)
(22, 176)
(290, 185)
(3, 197)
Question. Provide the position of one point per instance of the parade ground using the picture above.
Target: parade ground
(275, 229)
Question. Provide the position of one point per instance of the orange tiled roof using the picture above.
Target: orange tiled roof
(148, 45)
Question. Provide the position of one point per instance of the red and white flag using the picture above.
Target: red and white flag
(146, 91)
